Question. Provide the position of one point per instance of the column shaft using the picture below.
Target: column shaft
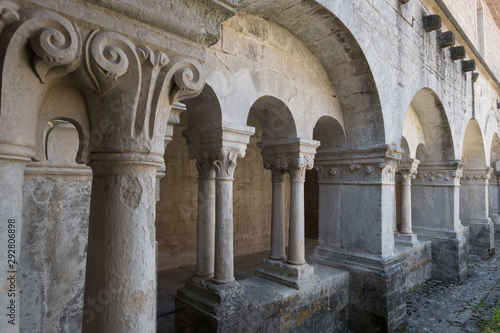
(206, 228)
(120, 283)
(278, 226)
(224, 260)
(406, 207)
(296, 249)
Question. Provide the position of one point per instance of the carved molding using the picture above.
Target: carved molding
(476, 177)
(438, 177)
(357, 173)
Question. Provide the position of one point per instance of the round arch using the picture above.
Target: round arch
(473, 154)
(428, 125)
(341, 57)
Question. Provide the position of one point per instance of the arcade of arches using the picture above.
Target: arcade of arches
(137, 137)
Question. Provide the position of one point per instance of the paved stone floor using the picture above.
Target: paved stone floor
(435, 306)
(447, 307)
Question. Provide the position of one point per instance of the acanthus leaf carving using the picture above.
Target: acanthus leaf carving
(224, 161)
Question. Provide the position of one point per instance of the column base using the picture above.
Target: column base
(294, 276)
(482, 236)
(449, 252)
(376, 288)
(405, 239)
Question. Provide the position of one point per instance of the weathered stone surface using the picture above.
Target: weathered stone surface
(268, 306)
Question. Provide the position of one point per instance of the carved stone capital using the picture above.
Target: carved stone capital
(224, 161)
(220, 143)
(369, 166)
(438, 174)
(292, 155)
(476, 177)
(407, 171)
(134, 88)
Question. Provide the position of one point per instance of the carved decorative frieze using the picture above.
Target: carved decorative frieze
(370, 165)
(356, 173)
(438, 175)
(476, 177)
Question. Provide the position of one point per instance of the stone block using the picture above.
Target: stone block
(445, 39)
(261, 305)
(431, 22)
(457, 52)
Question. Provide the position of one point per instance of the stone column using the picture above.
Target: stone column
(278, 223)
(295, 156)
(206, 219)
(12, 165)
(120, 289)
(435, 217)
(406, 171)
(224, 164)
(278, 167)
(474, 210)
(296, 246)
(129, 98)
(216, 147)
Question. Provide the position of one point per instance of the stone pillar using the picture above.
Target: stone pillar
(474, 211)
(356, 233)
(224, 165)
(435, 217)
(296, 247)
(295, 156)
(406, 171)
(278, 222)
(121, 278)
(129, 100)
(216, 147)
(12, 164)
(206, 219)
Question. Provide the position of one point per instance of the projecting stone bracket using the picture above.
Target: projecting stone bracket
(432, 22)
(468, 65)
(445, 39)
(457, 52)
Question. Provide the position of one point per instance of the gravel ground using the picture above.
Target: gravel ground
(438, 306)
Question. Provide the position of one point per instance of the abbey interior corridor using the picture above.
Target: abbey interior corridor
(350, 147)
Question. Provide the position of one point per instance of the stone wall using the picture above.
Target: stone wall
(54, 237)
